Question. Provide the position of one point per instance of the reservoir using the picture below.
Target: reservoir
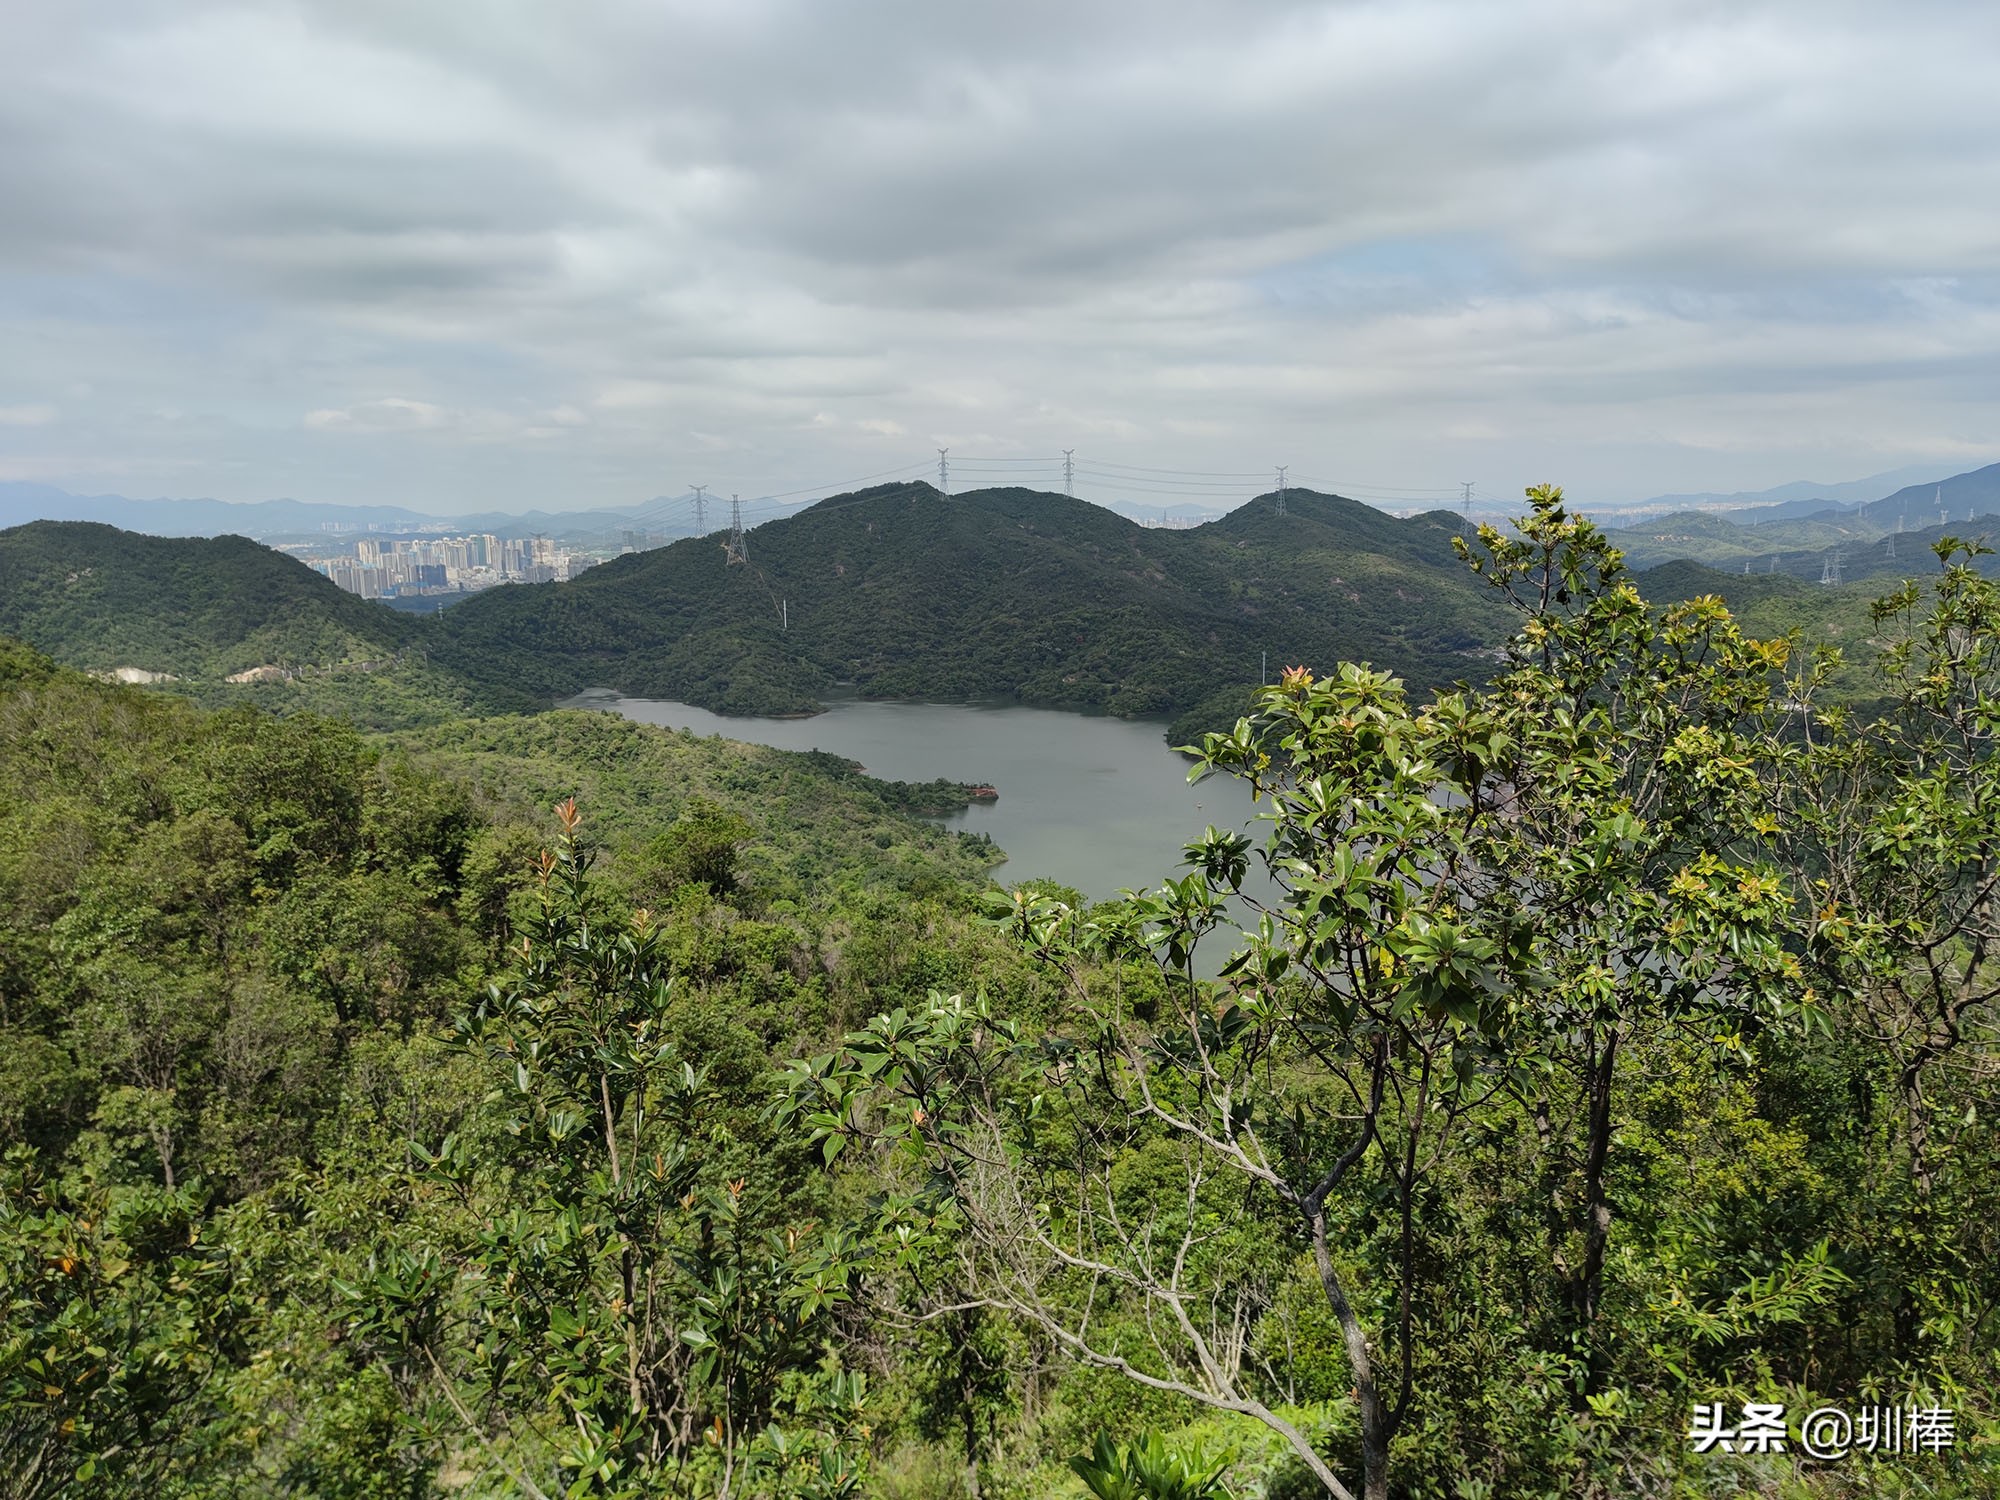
(1095, 803)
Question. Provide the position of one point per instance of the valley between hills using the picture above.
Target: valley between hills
(325, 1030)
(900, 592)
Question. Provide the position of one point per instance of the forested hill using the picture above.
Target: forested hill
(903, 592)
(200, 610)
(97, 597)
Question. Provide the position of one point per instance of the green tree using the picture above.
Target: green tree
(115, 1315)
(964, 1383)
(1890, 822)
(615, 1306)
(700, 849)
(1619, 752)
(1471, 901)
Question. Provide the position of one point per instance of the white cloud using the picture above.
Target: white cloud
(1641, 245)
(387, 414)
(32, 414)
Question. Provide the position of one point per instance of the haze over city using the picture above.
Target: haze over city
(514, 257)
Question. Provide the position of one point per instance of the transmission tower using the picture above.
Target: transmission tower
(1281, 487)
(1465, 500)
(944, 471)
(1069, 471)
(1829, 571)
(735, 551)
(700, 510)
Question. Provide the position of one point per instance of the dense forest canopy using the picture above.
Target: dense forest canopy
(898, 592)
(564, 1106)
(904, 592)
(198, 611)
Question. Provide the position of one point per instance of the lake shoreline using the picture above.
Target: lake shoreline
(1095, 802)
(591, 697)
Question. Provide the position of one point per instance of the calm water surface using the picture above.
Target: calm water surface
(1096, 803)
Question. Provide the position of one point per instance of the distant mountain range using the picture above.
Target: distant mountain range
(901, 592)
(1801, 497)
(896, 591)
(21, 503)
(1880, 538)
(288, 520)
(1961, 497)
(672, 516)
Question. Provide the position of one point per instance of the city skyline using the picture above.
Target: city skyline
(392, 567)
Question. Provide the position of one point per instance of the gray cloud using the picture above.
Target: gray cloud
(365, 249)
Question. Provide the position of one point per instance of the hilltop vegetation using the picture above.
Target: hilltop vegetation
(195, 607)
(231, 949)
(902, 592)
(896, 592)
(379, 1121)
(1720, 541)
(203, 609)
(892, 592)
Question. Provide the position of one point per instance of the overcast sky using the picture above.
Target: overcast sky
(453, 255)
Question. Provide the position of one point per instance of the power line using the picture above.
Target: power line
(1221, 488)
(816, 489)
(1105, 463)
(1355, 487)
(781, 497)
(782, 500)
(1194, 485)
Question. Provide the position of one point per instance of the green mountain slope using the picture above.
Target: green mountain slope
(1720, 542)
(891, 592)
(200, 610)
(900, 592)
(97, 597)
(1806, 552)
(1947, 503)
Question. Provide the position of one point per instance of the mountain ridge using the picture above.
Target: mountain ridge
(201, 610)
(22, 503)
(893, 591)
(905, 593)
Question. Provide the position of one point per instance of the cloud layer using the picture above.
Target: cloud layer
(516, 254)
